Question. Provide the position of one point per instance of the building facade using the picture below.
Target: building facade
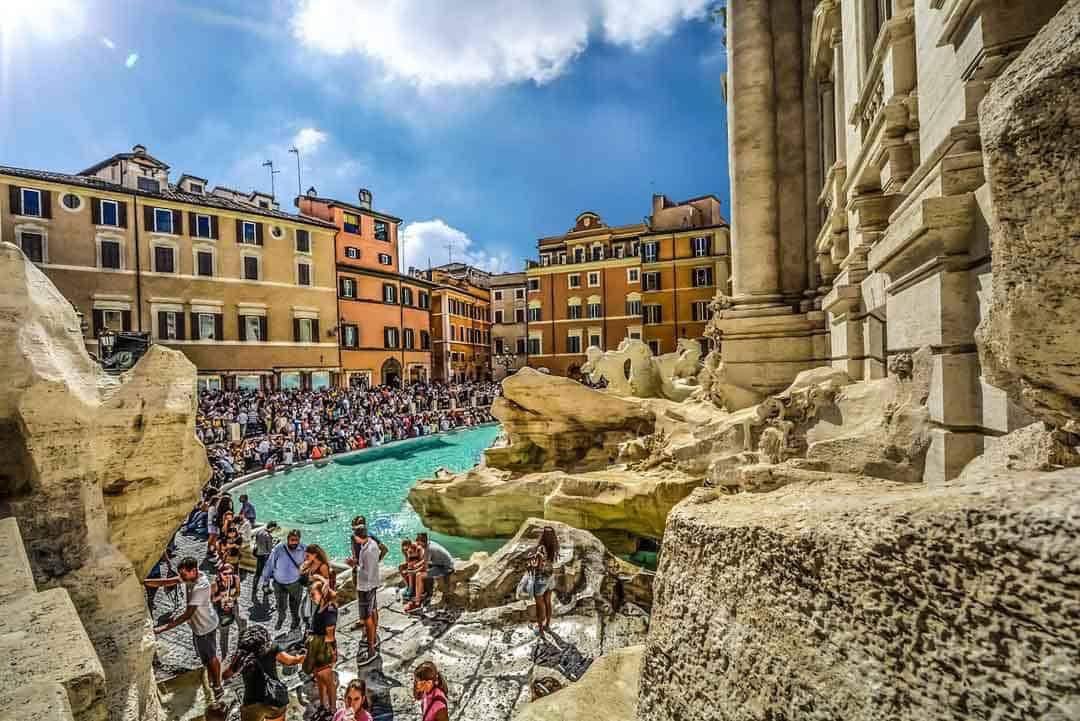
(508, 332)
(460, 322)
(597, 285)
(859, 219)
(246, 291)
(384, 316)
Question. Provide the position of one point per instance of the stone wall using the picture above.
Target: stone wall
(100, 471)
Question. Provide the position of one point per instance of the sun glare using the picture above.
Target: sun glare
(40, 20)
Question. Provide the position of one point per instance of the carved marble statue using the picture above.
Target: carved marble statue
(632, 370)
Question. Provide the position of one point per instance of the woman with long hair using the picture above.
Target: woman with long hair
(542, 567)
(430, 689)
(357, 703)
(256, 658)
(316, 563)
(322, 642)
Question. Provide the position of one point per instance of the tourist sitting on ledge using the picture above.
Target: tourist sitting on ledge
(436, 563)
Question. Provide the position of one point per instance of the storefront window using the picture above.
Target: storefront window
(290, 381)
(208, 383)
(320, 379)
(247, 383)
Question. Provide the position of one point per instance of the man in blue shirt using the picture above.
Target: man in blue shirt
(283, 568)
(247, 509)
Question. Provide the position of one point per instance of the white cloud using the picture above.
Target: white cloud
(108, 43)
(428, 240)
(432, 43)
(131, 60)
(309, 140)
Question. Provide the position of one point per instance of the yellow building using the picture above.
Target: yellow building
(246, 291)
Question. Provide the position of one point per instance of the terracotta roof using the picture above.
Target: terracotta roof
(170, 193)
(124, 156)
(347, 206)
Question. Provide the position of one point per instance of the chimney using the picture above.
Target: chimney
(312, 193)
(659, 202)
(365, 198)
(139, 150)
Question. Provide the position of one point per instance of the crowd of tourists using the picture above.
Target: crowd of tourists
(250, 430)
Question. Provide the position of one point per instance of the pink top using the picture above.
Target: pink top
(344, 714)
(433, 700)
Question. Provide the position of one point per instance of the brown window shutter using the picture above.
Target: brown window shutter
(296, 330)
(193, 226)
(178, 222)
(263, 335)
(121, 214)
(258, 233)
(243, 328)
(315, 330)
(16, 199)
(180, 326)
(239, 231)
(213, 227)
(162, 324)
(46, 203)
(148, 218)
(195, 334)
(125, 320)
(95, 211)
(219, 326)
(99, 321)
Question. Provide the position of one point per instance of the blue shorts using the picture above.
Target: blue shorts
(540, 586)
(213, 530)
(439, 571)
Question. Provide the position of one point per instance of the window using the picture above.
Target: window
(33, 245)
(652, 252)
(168, 325)
(248, 234)
(573, 311)
(633, 275)
(385, 259)
(498, 316)
(579, 255)
(303, 241)
(264, 204)
(700, 310)
(207, 326)
(545, 259)
(204, 228)
(389, 293)
(351, 252)
(382, 230)
(595, 309)
(408, 335)
(598, 252)
(700, 247)
(390, 337)
(31, 202)
(195, 188)
(519, 315)
(164, 259)
(652, 280)
(519, 294)
(163, 220)
(406, 296)
(573, 344)
(520, 346)
(619, 250)
(110, 213)
(562, 258)
(347, 286)
(425, 300)
(251, 267)
(149, 185)
(534, 345)
(574, 280)
(71, 201)
(290, 381)
(633, 306)
(277, 231)
(351, 223)
(303, 273)
(112, 319)
(500, 348)
(252, 327)
(594, 339)
(534, 314)
(594, 279)
(204, 263)
(425, 340)
(635, 248)
(498, 295)
(654, 347)
(702, 277)
(305, 330)
(110, 254)
(634, 334)
(349, 336)
(534, 284)
(653, 314)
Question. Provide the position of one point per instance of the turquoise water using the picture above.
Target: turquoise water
(375, 483)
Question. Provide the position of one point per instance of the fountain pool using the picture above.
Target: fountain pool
(375, 483)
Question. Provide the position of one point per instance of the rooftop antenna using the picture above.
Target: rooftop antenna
(270, 164)
(296, 150)
(450, 250)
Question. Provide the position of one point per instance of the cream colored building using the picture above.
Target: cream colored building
(508, 328)
(859, 203)
(246, 291)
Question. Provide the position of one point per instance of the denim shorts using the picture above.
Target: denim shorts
(439, 571)
(541, 585)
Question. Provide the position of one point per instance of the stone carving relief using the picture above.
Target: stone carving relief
(778, 416)
(632, 370)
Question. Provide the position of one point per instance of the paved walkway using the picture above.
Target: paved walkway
(488, 666)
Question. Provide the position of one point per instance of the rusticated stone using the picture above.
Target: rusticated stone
(1030, 124)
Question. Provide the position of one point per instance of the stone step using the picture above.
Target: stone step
(17, 578)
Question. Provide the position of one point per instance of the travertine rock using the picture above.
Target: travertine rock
(97, 467)
(1030, 124)
(554, 422)
(856, 598)
(607, 692)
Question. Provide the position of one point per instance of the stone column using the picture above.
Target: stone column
(792, 126)
(752, 151)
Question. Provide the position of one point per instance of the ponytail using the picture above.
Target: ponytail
(427, 671)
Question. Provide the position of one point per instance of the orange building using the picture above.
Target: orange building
(384, 329)
(598, 284)
(460, 322)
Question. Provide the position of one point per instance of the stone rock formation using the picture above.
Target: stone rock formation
(1030, 125)
(607, 692)
(99, 471)
(553, 422)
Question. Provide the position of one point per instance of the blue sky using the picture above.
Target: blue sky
(486, 122)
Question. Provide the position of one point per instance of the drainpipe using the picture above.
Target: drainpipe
(138, 263)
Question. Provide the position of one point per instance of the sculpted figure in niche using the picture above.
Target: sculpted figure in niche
(631, 369)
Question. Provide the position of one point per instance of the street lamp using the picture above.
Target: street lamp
(507, 360)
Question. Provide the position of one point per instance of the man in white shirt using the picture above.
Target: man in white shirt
(199, 614)
(366, 562)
